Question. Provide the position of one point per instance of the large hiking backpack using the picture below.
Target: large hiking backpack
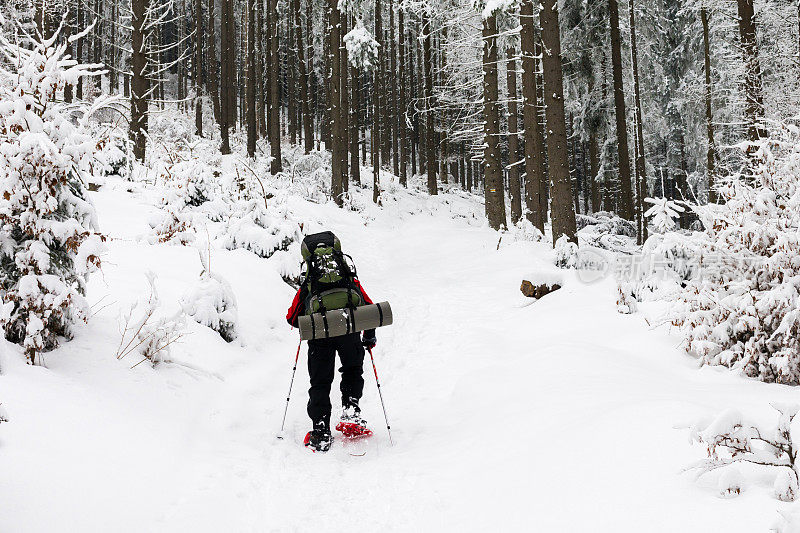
(330, 278)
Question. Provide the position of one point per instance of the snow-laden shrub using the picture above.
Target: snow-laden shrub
(524, 230)
(730, 483)
(260, 231)
(743, 309)
(606, 223)
(362, 49)
(211, 302)
(187, 183)
(626, 298)
(785, 486)
(731, 438)
(48, 239)
(566, 253)
(147, 332)
(111, 158)
(172, 225)
(3, 414)
(663, 213)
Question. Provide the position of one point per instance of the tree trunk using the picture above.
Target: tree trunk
(139, 80)
(711, 152)
(594, 169)
(305, 96)
(225, 74)
(626, 192)
(344, 105)
(641, 169)
(291, 78)
(393, 104)
(513, 136)
(401, 105)
(375, 134)
(754, 99)
(274, 127)
(430, 134)
(335, 98)
(213, 67)
(493, 183)
(252, 132)
(532, 132)
(563, 212)
(355, 124)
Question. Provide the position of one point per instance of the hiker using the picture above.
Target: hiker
(330, 283)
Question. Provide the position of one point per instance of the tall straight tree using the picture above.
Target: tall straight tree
(626, 192)
(754, 98)
(711, 150)
(493, 174)
(375, 134)
(227, 35)
(213, 65)
(534, 140)
(252, 132)
(513, 136)
(274, 126)
(140, 83)
(335, 97)
(401, 104)
(641, 169)
(197, 67)
(430, 133)
(561, 206)
(305, 96)
(393, 108)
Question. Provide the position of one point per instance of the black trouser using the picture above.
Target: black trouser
(321, 361)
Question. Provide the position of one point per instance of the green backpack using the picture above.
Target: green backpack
(329, 278)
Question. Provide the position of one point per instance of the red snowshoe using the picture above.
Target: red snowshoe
(353, 430)
(351, 425)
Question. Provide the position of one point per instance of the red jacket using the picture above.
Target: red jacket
(300, 298)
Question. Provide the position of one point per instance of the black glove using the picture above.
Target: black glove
(368, 340)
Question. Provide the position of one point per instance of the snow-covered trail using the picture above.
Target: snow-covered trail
(556, 415)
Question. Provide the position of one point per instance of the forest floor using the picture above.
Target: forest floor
(507, 413)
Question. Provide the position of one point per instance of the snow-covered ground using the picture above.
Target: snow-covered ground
(507, 414)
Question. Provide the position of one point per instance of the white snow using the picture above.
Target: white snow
(555, 415)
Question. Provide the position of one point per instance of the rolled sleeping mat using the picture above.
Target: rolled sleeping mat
(340, 322)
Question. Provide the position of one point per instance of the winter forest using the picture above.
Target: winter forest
(584, 213)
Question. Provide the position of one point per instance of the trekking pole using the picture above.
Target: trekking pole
(380, 394)
(289, 394)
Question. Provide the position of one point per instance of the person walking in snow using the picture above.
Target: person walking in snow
(330, 282)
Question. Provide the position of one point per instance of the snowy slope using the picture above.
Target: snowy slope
(556, 415)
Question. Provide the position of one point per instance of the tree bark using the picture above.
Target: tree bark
(213, 67)
(626, 192)
(139, 81)
(562, 209)
(225, 74)
(532, 132)
(308, 127)
(335, 99)
(375, 134)
(401, 115)
(754, 98)
(641, 169)
(493, 184)
(430, 134)
(252, 132)
(393, 91)
(711, 152)
(513, 136)
(274, 128)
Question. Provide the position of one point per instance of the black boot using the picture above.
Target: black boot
(319, 439)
